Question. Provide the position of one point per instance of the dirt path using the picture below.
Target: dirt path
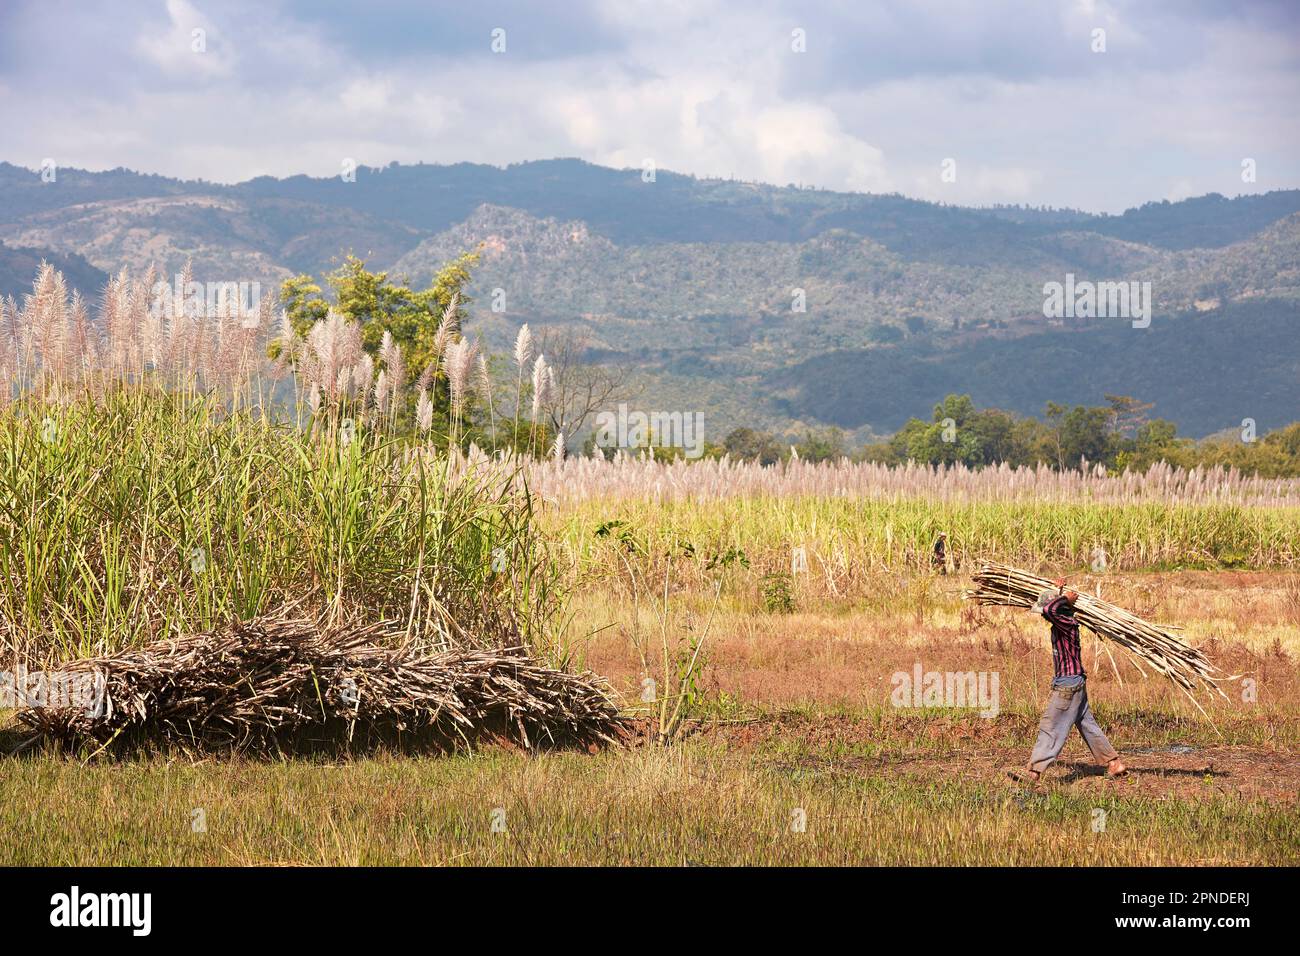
(827, 744)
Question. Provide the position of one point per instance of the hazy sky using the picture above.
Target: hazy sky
(1012, 91)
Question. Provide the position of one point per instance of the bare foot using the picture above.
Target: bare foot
(1116, 768)
(1027, 775)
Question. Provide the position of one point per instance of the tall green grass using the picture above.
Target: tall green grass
(847, 542)
(142, 513)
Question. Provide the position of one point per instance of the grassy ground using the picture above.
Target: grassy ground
(845, 653)
(796, 726)
(714, 800)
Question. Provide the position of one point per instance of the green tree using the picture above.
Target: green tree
(1085, 433)
(1156, 440)
(747, 444)
(822, 445)
(380, 305)
(1128, 415)
(1287, 440)
(949, 438)
(1117, 434)
(410, 316)
(301, 298)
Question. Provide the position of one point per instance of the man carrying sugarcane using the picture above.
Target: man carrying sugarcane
(1068, 705)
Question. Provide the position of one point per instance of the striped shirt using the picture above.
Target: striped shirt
(1067, 654)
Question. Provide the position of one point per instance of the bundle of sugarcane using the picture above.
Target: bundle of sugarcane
(1187, 667)
(255, 684)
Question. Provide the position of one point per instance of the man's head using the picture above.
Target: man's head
(1048, 595)
(1069, 594)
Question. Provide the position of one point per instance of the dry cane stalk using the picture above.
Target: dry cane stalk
(1186, 667)
(249, 685)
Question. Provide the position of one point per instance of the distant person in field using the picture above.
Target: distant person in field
(1068, 705)
(939, 560)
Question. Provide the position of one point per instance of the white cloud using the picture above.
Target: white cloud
(186, 45)
(366, 95)
(707, 88)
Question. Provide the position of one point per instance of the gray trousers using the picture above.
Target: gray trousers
(1066, 708)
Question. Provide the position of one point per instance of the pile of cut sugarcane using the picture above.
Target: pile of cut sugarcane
(1187, 667)
(255, 684)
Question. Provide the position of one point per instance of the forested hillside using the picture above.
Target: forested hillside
(769, 305)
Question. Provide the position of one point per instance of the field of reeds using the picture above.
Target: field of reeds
(644, 478)
(152, 486)
(159, 478)
(838, 543)
(139, 515)
(843, 520)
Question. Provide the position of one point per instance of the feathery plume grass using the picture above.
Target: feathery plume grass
(523, 347)
(485, 383)
(363, 376)
(523, 355)
(541, 385)
(423, 412)
(448, 329)
(460, 362)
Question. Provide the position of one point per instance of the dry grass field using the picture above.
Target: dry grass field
(794, 726)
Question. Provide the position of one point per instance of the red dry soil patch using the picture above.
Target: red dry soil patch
(976, 750)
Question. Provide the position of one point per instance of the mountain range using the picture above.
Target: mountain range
(771, 306)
